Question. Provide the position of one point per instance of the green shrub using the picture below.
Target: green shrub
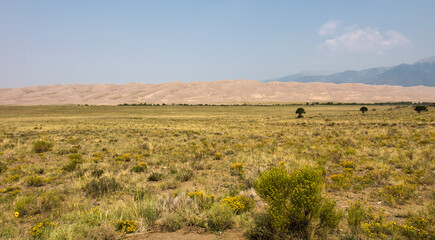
(398, 193)
(184, 175)
(41, 146)
(49, 200)
(296, 204)
(140, 167)
(35, 181)
(356, 214)
(71, 165)
(154, 177)
(171, 222)
(97, 173)
(219, 218)
(34, 204)
(101, 187)
(41, 229)
(261, 228)
(24, 204)
(3, 168)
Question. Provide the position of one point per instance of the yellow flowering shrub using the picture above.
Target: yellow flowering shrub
(37, 230)
(127, 226)
(10, 192)
(239, 203)
(237, 169)
(140, 167)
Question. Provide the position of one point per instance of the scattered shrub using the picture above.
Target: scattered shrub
(155, 176)
(296, 205)
(239, 203)
(237, 169)
(71, 165)
(97, 173)
(140, 167)
(39, 230)
(3, 168)
(262, 228)
(171, 222)
(127, 226)
(35, 181)
(41, 146)
(356, 215)
(184, 175)
(24, 204)
(219, 218)
(35, 204)
(397, 193)
(101, 187)
(11, 192)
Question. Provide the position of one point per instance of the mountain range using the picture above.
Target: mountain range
(421, 73)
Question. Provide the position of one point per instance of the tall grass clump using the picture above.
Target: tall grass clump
(296, 205)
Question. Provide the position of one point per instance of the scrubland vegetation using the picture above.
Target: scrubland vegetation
(101, 172)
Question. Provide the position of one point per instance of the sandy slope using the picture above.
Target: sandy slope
(224, 91)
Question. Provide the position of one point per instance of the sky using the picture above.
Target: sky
(82, 41)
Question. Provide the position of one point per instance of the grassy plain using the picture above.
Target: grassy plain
(163, 168)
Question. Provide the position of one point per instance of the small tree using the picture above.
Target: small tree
(420, 108)
(300, 111)
(363, 109)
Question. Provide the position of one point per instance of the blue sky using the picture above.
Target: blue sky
(59, 42)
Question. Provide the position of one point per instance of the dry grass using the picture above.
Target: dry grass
(384, 157)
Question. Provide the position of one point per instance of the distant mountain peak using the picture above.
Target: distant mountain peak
(430, 59)
(417, 74)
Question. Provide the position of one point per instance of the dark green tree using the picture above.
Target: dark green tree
(363, 109)
(300, 111)
(420, 108)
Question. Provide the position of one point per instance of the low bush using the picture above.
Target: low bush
(35, 181)
(171, 222)
(41, 229)
(101, 187)
(356, 215)
(296, 204)
(184, 175)
(127, 226)
(239, 203)
(262, 228)
(219, 218)
(140, 167)
(97, 173)
(155, 176)
(398, 193)
(3, 168)
(41, 146)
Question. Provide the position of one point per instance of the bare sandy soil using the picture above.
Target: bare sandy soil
(215, 92)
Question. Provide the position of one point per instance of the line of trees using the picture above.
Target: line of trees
(285, 104)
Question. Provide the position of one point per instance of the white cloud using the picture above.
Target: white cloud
(329, 28)
(357, 39)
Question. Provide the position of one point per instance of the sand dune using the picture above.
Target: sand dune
(224, 91)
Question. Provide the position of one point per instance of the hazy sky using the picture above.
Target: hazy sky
(90, 41)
